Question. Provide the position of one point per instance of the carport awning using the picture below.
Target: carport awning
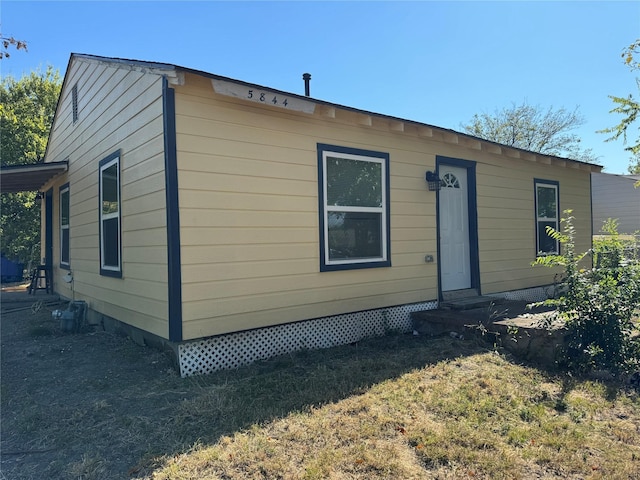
(29, 178)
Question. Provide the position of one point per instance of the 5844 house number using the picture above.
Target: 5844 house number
(267, 97)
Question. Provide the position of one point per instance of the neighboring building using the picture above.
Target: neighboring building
(615, 196)
(235, 221)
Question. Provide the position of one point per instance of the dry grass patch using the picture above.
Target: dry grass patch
(97, 406)
(478, 416)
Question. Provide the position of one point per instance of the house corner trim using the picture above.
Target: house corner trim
(174, 280)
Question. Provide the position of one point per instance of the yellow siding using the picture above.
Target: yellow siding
(249, 212)
(118, 109)
(249, 218)
(506, 219)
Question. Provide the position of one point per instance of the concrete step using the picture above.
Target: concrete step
(469, 303)
(495, 323)
(437, 322)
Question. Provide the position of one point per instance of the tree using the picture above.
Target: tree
(27, 107)
(627, 106)
(598, 305)
(634, 165)
(10, 42)
(534, 129)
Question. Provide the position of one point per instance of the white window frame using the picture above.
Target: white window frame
(363, 156)
(65, 190)
(556, 188)
(110, 270)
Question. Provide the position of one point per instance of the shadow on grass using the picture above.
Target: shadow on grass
(230, 401)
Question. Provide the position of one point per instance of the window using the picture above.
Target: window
(354, 208)
(547, 215)
(64, 226)
(449, 180)
(110, 263)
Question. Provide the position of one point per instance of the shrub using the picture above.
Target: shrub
(598, 303)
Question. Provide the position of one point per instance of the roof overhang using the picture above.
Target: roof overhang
(29, 178)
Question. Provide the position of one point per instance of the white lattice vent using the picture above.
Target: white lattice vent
(241, 348)
(537, 294)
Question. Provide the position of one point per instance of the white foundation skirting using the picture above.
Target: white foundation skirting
(537, 294)
(242, 348)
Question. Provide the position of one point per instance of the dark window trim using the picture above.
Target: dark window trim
(555, 183)
(64, 266)
(324, 266)
(110, 272)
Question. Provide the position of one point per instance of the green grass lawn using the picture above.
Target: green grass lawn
(403, 407)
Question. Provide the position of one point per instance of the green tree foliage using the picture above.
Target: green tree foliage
(534, 129)
(599, 305)
(628, 107)
(27, 107)
(634, 164)
(20, 227)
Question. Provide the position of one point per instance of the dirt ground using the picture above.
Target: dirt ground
(74, 405)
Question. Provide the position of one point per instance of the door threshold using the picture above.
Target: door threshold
(458, 294)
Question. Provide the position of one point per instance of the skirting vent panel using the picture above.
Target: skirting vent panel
(537, 294)
(242, 348)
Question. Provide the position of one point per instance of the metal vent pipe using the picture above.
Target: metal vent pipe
(307, 78)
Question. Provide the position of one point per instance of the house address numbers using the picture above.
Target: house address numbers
(265, 97)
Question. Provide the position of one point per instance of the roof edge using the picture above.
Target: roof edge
(35, 166)
(29, 176)
(178, 78)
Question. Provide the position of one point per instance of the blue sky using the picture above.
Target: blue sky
(433, 62)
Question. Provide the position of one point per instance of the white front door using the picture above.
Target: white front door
(455, 263)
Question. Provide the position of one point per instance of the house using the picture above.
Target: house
(615, 196)
(233, 221)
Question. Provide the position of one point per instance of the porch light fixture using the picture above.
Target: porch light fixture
(39, 197)
(433, 181)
